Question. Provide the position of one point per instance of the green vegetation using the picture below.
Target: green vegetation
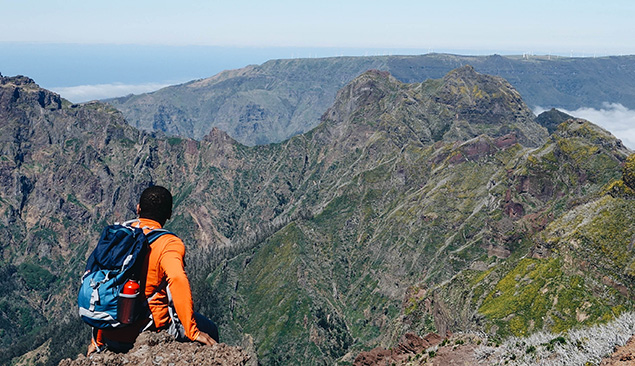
(174, 140)
(394, 215)
(628, 172)
(274, 289)
(538, 295)
(35, 277)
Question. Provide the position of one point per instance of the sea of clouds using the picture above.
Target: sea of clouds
(614, 117)
(85, 93)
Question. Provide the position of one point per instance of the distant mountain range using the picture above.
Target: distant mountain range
(441, 205)
(282, 98)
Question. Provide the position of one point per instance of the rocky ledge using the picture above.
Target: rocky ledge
(156, 349)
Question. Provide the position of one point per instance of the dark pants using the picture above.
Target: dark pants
(175, 328)
(206, 325)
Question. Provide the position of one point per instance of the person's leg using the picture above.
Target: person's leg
(206, 325)
(118, 347)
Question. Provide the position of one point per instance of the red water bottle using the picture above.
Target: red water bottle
(127, 302)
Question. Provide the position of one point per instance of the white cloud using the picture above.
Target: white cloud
(84, 93)
(614, 117)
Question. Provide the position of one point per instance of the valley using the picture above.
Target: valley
(441, 205)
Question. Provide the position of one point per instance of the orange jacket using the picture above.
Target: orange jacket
(165, 261)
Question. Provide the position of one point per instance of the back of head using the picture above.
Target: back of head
(156, 204)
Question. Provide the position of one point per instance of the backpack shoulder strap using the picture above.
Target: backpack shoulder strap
(152, 235)
(127, 223)
(156, 234)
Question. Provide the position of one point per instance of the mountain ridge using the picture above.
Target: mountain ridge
(333, 241)
(282, 98)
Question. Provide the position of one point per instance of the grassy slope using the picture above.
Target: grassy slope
(404, 233)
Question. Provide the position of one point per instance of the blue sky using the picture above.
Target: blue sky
(555, 26)
(61, 43)
(96, 49)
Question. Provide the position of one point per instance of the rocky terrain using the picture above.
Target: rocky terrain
(160, 349)
(437, 206)
(279, 99)
(623, 356)
(464, 349)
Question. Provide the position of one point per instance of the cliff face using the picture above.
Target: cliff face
(67, 170)
(413, 229)
(412, 207)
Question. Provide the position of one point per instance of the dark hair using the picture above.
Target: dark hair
(156, 204)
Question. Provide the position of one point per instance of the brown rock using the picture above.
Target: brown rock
(410, 344)
(514, 210)
(623, 356)
(506, 141)
(156, 349)
(375, 357)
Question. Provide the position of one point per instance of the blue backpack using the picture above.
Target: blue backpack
(118, 257)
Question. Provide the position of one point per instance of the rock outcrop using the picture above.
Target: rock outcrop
(410, 344)
(160, 349)
(430, 350)
(623, 356)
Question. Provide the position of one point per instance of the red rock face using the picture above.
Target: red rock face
(514, 210)
(478, 149)
(506, 141)
(376, 356)
(410, 344)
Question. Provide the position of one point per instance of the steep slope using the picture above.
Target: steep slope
(402, 211)
(543, 285)
(404, 218)
(66, 171)
(282, 98)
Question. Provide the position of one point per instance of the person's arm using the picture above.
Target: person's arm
(172, 264)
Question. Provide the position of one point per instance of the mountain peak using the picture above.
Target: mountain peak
(366, 90)
(18, 80)
(464, 71)
(462, 105)
(218, 136)
(468, 88)
(26, 90)
(488, 104)
(552, 118)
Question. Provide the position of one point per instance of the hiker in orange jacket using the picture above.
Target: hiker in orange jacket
(171, 307)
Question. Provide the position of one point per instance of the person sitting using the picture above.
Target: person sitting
(171, 306)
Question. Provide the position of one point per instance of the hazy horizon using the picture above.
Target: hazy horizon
(96, 50)
(84, 72)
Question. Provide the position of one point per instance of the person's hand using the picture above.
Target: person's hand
(91, 348)
(205, 339)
